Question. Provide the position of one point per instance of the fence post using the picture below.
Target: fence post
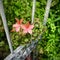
(5, 25)
(47, 12)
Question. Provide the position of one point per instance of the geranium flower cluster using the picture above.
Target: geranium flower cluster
(26, 28)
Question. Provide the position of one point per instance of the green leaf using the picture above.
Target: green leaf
(59, 30)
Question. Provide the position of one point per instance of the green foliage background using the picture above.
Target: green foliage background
(49, 47)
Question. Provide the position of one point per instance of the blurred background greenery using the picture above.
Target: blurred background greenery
(49, 47)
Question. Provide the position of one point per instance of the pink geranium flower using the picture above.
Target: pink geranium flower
(27, 28)
(17, 25)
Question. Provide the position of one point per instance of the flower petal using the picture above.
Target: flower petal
(25, 31)
(21, 20)
(16, 25)
(30, 31)
(17, 29)
(31, 27)
(17, 20)
(23, 27)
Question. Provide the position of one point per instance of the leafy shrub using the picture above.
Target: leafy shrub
(49, 47)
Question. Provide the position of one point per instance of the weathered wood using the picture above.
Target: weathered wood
(15, 55)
